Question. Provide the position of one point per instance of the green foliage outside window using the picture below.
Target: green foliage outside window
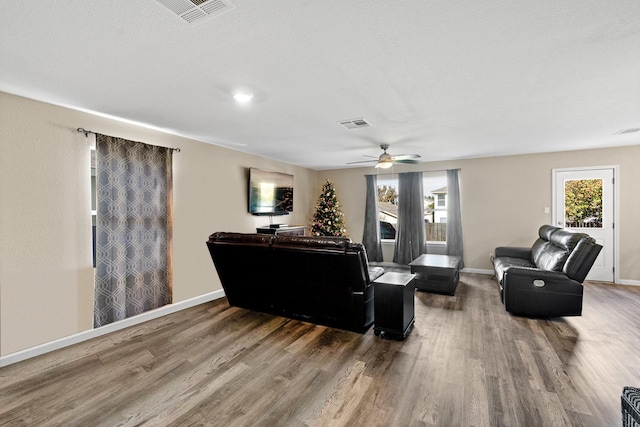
(387, 194)
(583, 200)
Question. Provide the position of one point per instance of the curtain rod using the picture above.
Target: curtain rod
(396, 173)
(87, 132)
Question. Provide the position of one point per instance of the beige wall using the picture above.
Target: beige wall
(46, 276)
(503, 199)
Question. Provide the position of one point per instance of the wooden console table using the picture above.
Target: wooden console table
(296, 230)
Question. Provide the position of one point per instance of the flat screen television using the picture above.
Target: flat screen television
(270, 193)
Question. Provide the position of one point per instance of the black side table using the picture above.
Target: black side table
(393, 305)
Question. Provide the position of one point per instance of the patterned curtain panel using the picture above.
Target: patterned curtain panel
(454, 216)
(371, 234)
(133, 230)
(411, 238)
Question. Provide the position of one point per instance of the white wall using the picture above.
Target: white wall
(46, 274)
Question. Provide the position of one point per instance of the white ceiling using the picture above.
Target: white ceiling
(444, 79)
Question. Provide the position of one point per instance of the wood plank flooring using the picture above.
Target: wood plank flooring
(467, 362)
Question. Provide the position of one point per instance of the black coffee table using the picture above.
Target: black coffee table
(436, 273)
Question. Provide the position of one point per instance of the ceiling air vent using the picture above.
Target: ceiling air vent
(354, 123)
(195, 11)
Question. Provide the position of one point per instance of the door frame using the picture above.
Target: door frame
(616, 210)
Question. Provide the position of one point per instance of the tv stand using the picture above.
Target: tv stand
(295, 230)
(278, 225)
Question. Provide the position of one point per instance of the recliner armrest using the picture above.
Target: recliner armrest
(520, 284)
(374, 273)
(513, 252)
(535, 278)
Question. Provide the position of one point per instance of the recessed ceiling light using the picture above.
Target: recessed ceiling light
(242, 96)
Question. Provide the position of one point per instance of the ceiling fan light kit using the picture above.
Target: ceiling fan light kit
(386, 160)
(384, 165)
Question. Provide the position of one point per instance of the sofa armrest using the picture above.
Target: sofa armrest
(536, 279)
(374, 273)
(534, 292)
(513, 252)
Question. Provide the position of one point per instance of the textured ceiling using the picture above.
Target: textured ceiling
(447, 80)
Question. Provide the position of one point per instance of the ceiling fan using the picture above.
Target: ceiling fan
(386, 160)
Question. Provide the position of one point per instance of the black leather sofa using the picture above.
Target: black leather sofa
(324, 280)
(546, 279)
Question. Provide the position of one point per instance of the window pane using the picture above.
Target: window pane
(583, 203)
(435, 207)
(435, 192)
(388, 208)
(93, 204)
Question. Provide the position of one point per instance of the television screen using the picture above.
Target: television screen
(270, 193)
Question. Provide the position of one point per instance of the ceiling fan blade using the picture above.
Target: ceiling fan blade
(406, 161)
(406, 156)
(363, 161)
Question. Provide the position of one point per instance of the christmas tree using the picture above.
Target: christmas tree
(328, 219)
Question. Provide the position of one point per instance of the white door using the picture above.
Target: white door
(584, 202)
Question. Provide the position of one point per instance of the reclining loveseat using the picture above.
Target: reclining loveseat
(546, 279)
(324, 280)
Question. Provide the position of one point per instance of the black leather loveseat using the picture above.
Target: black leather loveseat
(546, 279)
(324, 280)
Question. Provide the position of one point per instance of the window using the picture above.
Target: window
(93, 202)
(435, 209)
(583, 203)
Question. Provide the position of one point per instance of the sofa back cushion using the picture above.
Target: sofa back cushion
(566, 239)
(553, 248)
(244, 238)
(538, 249)
(546, 231)
(308, 242)
(548, 257)
(540, 256)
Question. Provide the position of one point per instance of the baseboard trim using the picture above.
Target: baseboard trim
(107, 329)
(477, 270)
(629, 282)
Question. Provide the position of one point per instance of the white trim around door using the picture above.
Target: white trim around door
(613, 237)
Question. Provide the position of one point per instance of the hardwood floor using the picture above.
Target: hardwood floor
(466, 362)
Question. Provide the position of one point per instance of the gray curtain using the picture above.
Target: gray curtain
(371, 234)
(454, 217)
(133, 229)
(411, 240)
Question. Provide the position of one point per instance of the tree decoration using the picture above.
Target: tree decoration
(328, 220)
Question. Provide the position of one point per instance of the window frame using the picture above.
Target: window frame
(432, 181)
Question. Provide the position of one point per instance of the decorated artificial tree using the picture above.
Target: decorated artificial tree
(328, 220)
